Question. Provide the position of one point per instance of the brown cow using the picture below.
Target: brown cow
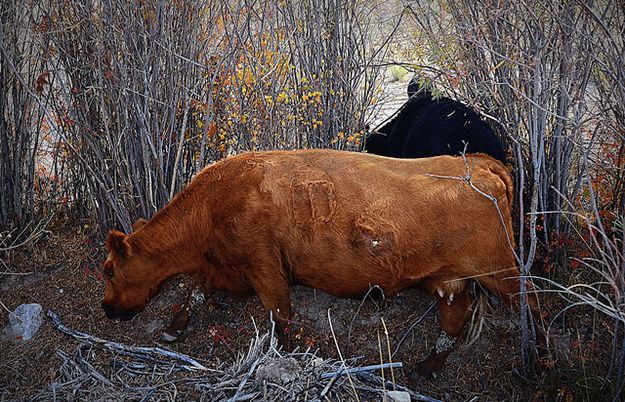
(336, 221)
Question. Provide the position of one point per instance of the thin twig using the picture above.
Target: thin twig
(414, 324)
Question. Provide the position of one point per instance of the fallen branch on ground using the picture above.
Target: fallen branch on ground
(143, 352)
(361, 369)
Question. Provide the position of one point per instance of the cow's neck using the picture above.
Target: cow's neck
(173, 235)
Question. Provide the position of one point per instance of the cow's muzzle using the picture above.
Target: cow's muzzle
(113, 312)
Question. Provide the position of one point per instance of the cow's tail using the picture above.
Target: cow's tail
(480, 308)
(481, 313)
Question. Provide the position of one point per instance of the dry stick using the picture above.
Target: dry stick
(388, 349)
(244, 381)
(479, 275)
(586, 299)
(37, 232)
(381, 362)
(87, 368)
(137, 351)
(356, 370)
(248, 397)
(5, 307)
(329, 386)
(423, 316)
(338, 349)
(351, 324)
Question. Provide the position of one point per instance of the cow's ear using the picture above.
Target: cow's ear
(117, 243)
(139, 224)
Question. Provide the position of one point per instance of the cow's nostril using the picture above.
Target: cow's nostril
(113, 312)
(108, 310)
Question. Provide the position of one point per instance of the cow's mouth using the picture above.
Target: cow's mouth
(118, 313)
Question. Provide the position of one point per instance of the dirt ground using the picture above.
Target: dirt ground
(62, 275)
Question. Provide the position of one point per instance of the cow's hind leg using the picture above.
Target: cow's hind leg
(454, 312)
(507, 288)
(179, 323)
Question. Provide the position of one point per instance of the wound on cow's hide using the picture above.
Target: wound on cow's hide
(313, 201)
(376, 240)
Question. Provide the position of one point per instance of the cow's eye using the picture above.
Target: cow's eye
(108, 271)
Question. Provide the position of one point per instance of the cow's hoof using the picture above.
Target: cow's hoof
(416, 376)
(426, 369)
(169, 338)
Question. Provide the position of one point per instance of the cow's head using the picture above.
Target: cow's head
(131, 279)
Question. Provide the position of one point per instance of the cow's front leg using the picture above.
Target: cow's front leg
(274, 293)
(453, 311)
(282, 316)
(179, 323)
